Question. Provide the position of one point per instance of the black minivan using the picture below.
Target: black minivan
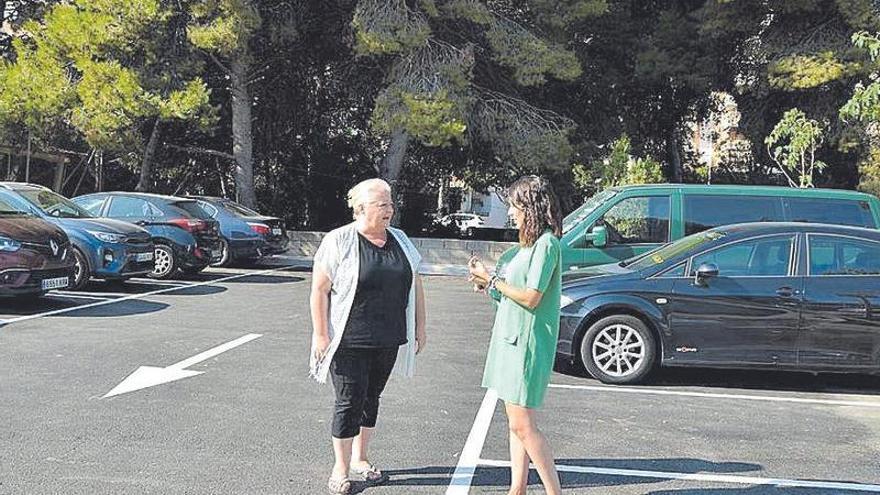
(186, 238)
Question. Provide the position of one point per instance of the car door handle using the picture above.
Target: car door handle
(786, 292)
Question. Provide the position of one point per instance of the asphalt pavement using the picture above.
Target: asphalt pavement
(200, 386)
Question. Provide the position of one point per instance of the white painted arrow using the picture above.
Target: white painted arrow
(149, 376)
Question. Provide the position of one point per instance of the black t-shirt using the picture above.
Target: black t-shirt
(378, 313)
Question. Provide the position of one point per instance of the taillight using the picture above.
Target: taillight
(260, 228)
(190, 224)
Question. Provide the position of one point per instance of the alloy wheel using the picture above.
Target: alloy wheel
(162, 262)
(618, 350)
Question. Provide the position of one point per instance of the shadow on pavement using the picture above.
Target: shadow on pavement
(788, 381)
(140, 287)
(50, 303)
(488, 477)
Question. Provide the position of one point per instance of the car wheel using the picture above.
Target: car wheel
(81, 271)
(164, 263)
(225, 256)
(618, 349)
(470, 232)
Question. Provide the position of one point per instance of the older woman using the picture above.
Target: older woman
(368, 318)
(523, 344)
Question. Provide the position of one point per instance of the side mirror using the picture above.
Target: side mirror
(705, 272)
(598, 235)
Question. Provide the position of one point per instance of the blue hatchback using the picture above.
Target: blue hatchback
(103, 248)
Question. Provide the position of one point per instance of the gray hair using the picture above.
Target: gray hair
(357, 195)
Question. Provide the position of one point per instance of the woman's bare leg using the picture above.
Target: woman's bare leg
(521, 421)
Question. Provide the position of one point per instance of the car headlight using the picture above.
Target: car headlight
(565, 301)
(9, 245)
(108, 237)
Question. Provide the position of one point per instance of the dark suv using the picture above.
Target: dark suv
(35, 256)
(186, 238)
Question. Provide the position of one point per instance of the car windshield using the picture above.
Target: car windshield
(7, 208)
(577, 216)
(669, 251)
(240, 210)
(54, 204)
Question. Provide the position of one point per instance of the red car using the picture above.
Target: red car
(35, 256)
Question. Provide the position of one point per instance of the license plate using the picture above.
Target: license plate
(276, 232)
(143, 257)
(55, 283)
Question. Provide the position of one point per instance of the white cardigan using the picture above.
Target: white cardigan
(339, 257)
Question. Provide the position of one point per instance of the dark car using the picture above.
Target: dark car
(185, 237)
(792, 296)
(246, 234)
(35, 255)
(103, 248)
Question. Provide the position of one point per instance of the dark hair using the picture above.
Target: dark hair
(535, 197)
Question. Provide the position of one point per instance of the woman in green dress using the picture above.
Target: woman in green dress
(523, 344)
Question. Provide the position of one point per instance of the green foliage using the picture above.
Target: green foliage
(433, 119)
(869, 172)
(35, 89)
(619, 167)
(223, 27)
(798, 72)
(472, 10)
(93, 65)
(792, 145)
(558, 14)
(530, 57)
(385, 27)
(860, 14)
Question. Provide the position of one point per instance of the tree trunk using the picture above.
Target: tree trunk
(391, 167)
(673, 154)
(147, 164)
(242, 134)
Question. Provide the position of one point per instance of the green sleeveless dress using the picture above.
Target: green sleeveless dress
(523, 344)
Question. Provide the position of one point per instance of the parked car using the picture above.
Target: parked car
(621, 222)
(35, 255)
(185, 237)
(464, 222)
(102, 248)
(246, 235)
(793, 296)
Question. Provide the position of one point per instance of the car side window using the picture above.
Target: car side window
(91, 205)
(704, 211)
(675, 272)
(833, 211)
(126, 207)
(640, 220)
(209, 208)
(761, 257)
(833, 255)
(154, 211)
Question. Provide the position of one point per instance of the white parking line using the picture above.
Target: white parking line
(714, 478)
(64, 295)
(679, 393)
(473, 447)
(4, 323)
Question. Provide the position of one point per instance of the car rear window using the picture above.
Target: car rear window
(193, 208)
(833, 211)
(240, 210)
(702, 212)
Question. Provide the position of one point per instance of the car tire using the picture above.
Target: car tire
(82, 272)
(164, 262)
(470, 232)
(225, 255)
(618, 349)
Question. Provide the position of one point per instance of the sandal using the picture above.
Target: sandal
(370, 474)
(337, 486)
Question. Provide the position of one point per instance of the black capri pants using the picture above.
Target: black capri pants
(359, 377)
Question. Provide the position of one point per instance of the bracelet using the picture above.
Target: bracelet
(492, 281)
